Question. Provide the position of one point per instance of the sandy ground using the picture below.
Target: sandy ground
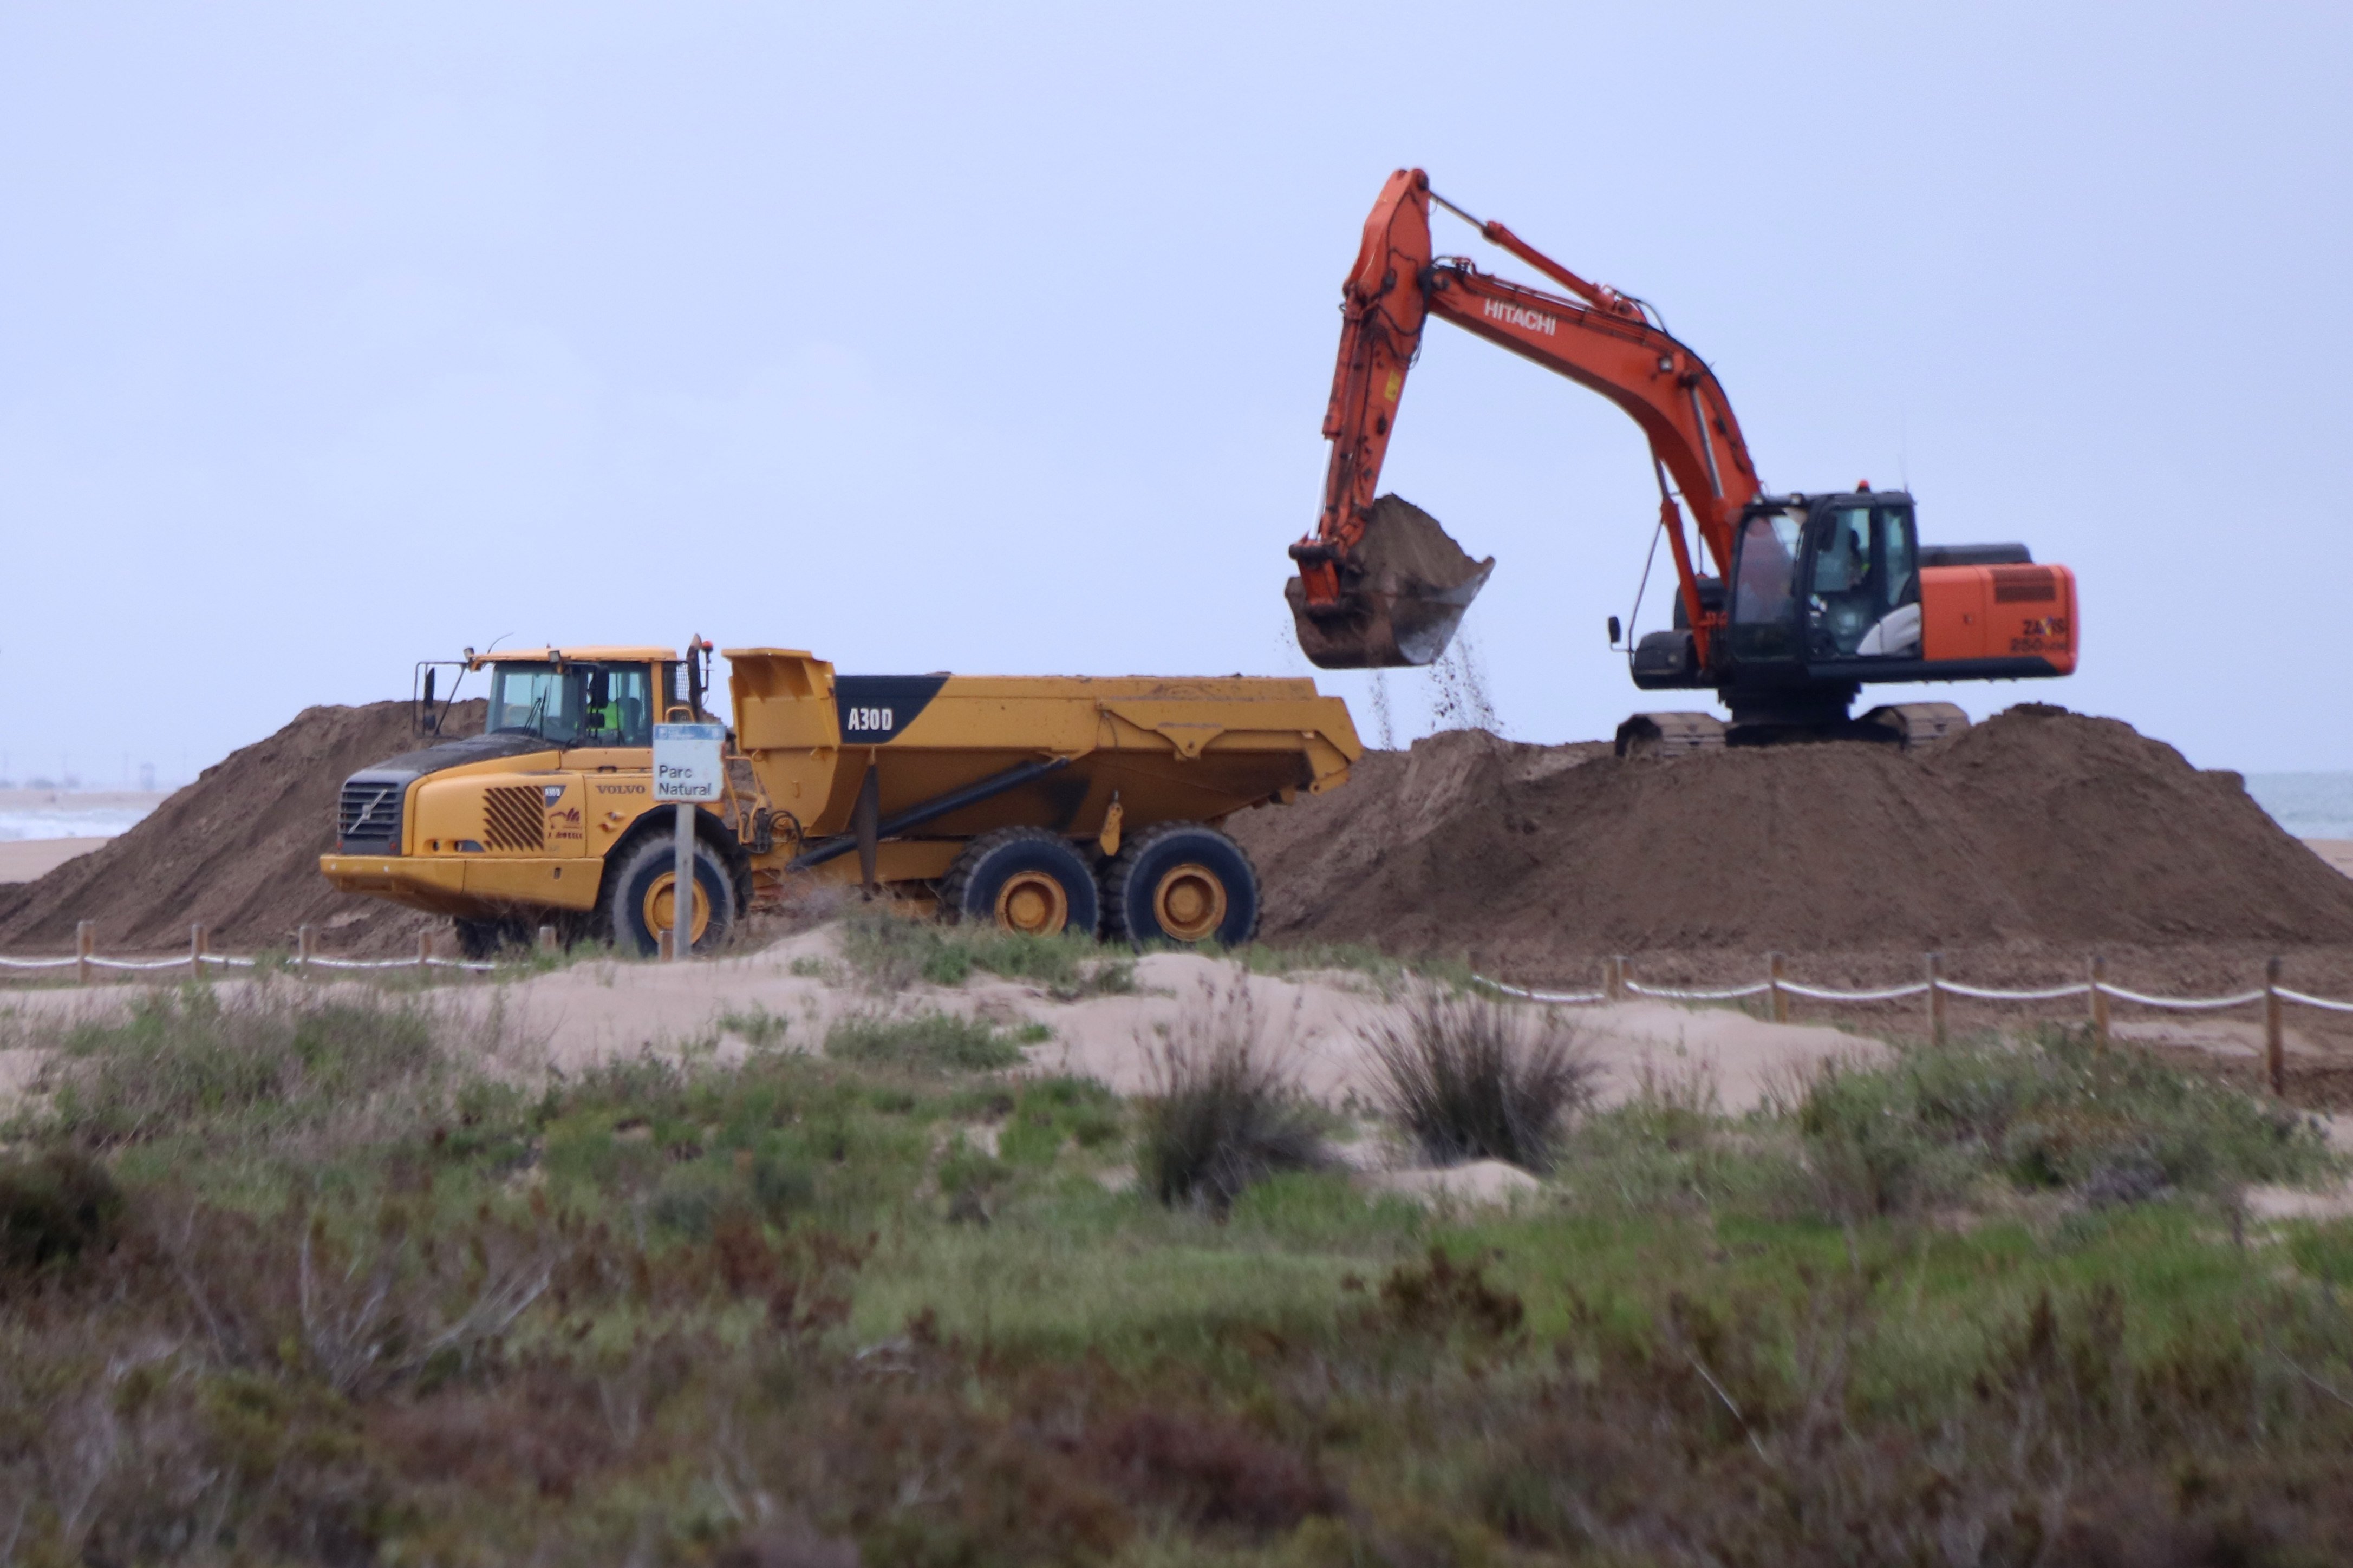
(140, 801)
(1317, 1024)
(30, 859)
(2338, 852)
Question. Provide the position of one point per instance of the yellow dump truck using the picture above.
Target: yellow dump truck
(1044, 804)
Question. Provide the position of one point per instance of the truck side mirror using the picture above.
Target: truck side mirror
(1615, 635)
(425, 716)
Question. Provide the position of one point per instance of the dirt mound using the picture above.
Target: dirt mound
(238, 849)
(2038, 828)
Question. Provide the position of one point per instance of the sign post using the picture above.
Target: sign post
(687, 769)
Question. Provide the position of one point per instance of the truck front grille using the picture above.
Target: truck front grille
(513, 817)
(367, 814)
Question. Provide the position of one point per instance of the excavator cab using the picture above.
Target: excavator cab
(1832, 578)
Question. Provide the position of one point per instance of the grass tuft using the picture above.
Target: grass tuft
(1223, 1112)
(1470, 1078)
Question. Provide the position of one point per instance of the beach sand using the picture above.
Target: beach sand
(30, 859)
(2338, 852)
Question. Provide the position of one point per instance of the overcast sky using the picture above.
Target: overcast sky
(998, 337)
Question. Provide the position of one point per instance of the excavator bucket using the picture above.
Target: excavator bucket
(1402, 592)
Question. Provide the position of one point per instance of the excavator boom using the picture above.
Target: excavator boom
(1602, 341)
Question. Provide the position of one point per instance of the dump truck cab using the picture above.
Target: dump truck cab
(512, 827)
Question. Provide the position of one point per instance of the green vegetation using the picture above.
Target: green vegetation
(889, 952)
(935, 1042)
(1223, 1115)
(1470, 1078)
(290, 1280)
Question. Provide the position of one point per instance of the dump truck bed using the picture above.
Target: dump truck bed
(980, 753)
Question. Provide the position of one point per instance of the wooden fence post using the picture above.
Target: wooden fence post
(2274, 1042)
(2099, 1002)
(1935, 1000)
(306, 939)
(1780, 998)
(196, 951)
(85, 945)
(547, 938)
(423, 952)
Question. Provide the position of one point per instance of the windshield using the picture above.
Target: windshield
(1763, 584)
(573, 704)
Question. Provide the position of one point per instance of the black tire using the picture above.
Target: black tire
(1023, 879)
(640, 870)
(1180, 882)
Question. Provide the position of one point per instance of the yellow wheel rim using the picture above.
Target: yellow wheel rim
(660, 909)
(1032, 903)
(1190, 902)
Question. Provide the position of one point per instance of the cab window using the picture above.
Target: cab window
(620, 708)
(574, 704)
(535, 700)
(1864, 598)
(1764, 585)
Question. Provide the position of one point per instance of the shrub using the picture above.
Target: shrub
(1222, 1112)
(1474, 1079)
(52, 1206)
(2053, 1112)
(934, 1042)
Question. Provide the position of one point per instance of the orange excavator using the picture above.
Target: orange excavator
(1827, 591)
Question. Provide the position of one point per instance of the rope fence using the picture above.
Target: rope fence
(87, 962)
(1617, 985)
(2094, 989)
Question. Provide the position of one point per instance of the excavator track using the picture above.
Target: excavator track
(1667, 736)
(1919, 725)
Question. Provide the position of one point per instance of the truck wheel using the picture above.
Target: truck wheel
(637, 900)
(1023, 879)
(1181, 882)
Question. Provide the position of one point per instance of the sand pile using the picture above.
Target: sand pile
(238, 849)
(2040, 829)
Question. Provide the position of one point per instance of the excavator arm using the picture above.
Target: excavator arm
(1600, 340)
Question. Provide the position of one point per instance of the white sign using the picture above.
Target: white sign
(686, 761)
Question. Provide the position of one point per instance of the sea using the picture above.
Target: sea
(2310, 805)
(25, 814)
